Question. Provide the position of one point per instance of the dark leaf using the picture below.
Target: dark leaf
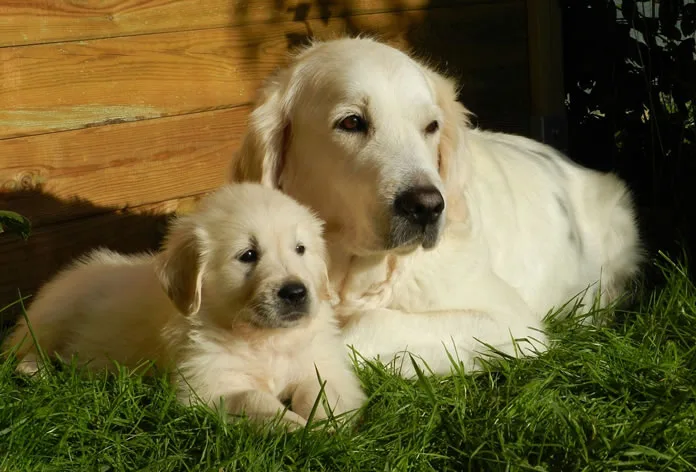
(649, 28)
(688, 21)
(685, 51)
(628, 8)
(669, 13)
(671, 31)
(11, 222)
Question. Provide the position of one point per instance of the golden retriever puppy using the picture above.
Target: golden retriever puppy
(236, 303)
(440, 235)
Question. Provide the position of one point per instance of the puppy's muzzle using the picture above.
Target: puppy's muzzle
(417, 215)
(293, 300)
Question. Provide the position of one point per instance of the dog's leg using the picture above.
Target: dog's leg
(341, 392)
(29, 365)
(390, 334)
(261, 406)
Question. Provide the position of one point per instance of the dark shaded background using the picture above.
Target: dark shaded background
(630, 79)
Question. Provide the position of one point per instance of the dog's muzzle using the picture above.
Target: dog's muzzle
(284, 306)
(293, 301)
(417, 217)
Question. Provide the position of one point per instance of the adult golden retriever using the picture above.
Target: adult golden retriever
(440, 235)
(236, 304)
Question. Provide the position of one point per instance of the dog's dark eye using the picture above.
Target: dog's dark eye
(300, 249)
(249, 256)
(432, 127)
(352, 124)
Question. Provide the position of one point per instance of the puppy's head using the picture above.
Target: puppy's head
(364, 134)
(247, 254)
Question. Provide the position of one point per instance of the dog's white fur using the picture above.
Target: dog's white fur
(193, 308)
(525, 230)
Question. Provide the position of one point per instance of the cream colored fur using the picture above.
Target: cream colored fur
(193, 308)
(525, 228)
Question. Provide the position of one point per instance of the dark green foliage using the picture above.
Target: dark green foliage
(11, 222)
(630, 76)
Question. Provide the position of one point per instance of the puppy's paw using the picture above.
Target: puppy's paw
(286, 420)
(304, 399)
(33, 367)
(339, 404)
(291, 421)
(346, 402)
(27, 367)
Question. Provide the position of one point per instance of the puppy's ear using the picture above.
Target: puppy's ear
(260, 157)
(455, 122)
(180, 266)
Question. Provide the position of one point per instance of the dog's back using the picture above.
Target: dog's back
(554, 226)
(106, 306)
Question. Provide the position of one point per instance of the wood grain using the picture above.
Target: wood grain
(58, 87)
(118, 166)
(154, 160)
(26, 265)
(25, 22)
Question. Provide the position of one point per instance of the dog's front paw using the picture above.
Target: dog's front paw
(346, 402)
(341, 405)
(291, 421)
(304, 399)
(283, 419)
(27, 367)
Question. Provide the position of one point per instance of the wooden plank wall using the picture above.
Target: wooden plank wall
(115, 113)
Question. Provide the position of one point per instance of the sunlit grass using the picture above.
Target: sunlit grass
(619, 397)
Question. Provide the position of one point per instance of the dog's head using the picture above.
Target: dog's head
(363, 134)
(248, 254)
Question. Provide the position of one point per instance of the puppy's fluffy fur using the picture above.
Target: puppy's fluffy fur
(352, 126)
(210, 307)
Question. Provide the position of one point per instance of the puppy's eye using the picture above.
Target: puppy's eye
(300, 249)
(352, 124)
(250, 256)
(432, 127)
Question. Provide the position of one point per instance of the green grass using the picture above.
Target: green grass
(620, 397)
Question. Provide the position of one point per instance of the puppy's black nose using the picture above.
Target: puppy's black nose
(293, 293)
(420, 205)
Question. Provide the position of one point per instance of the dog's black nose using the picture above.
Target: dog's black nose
(420, 205)
(293, 293)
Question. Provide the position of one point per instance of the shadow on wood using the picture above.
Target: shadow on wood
(482, 43)
(26, 265)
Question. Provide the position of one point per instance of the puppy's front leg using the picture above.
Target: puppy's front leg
(261, 406)
(306, 395)
(342, 390)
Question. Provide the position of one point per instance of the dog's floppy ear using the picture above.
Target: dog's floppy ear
(180, 266)
(260, 157)
(455, 122)
(456, 117)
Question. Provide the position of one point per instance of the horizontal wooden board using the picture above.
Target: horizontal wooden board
(117, 166)
(38, 21)
(26, 265)
(63, 86)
